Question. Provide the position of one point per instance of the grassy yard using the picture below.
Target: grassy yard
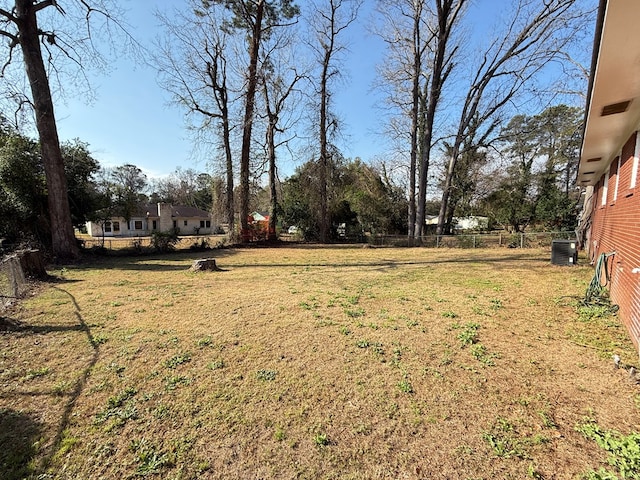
(313, 363)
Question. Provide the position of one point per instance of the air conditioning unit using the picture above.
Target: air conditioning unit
(564, 252)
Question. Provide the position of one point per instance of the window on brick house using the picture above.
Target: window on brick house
(137, 224)
(116, 226)
(634, 166)
(614, 176)
(605, 188)
(107, 226)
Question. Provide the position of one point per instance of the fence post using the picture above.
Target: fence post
(474, 241)
(522, 240)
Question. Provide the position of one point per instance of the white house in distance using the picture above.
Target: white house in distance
(472, 222)
(155, 217)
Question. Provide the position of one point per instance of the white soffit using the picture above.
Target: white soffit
(615, 80)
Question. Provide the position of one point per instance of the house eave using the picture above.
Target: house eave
(615, 78)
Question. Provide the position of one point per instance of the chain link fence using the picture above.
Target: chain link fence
(475, 240)
(140, 244)
(478, 240)
(13, 283)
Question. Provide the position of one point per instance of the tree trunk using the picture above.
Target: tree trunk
(424, 151)
(324, 160)
(229, 203)
(273, 197)
(252, 81)
(63, 240)
(415, 108)
(412, 199)
(447, 15)
(446, 191)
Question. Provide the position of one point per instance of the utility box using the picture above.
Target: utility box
(564, 252)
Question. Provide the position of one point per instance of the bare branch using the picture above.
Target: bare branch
(506, 68)
(44, 4)
(8, 15)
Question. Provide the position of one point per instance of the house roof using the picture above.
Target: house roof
(185, 211)
(177, 211)
(260, 216)
(613, 97)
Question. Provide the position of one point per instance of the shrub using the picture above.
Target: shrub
(164, 241)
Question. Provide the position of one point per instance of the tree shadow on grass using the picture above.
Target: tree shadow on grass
(154, 262)
(80, 382)
(176, 261)
(506, 261)
(18, 435)
(18, 432)
(8, 324)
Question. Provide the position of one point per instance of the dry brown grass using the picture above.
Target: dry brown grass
(309, 362)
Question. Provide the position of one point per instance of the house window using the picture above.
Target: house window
(107, 226)
(208, 223)
(605, 188)
(175, 224)
(116, 226)
(634, 167)
(155, 224)
(201, 223)
(185, 223)
(137, 225)
(615, 177)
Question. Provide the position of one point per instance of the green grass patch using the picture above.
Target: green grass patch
(623, 452)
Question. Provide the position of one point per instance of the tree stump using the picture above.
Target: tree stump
(32, 263)
(205, 264)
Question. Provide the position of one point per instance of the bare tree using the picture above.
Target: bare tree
(184, 187)
(448, 13)
(193, 63)
(279, 86)
(536, 35)
(330, 18)
(422, 46)
(257, 19)
(401, 75)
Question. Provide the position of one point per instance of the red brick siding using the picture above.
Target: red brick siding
(616, 228)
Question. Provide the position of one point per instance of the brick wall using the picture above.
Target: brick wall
(616, 227)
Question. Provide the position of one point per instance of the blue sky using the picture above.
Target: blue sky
(132, 120)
